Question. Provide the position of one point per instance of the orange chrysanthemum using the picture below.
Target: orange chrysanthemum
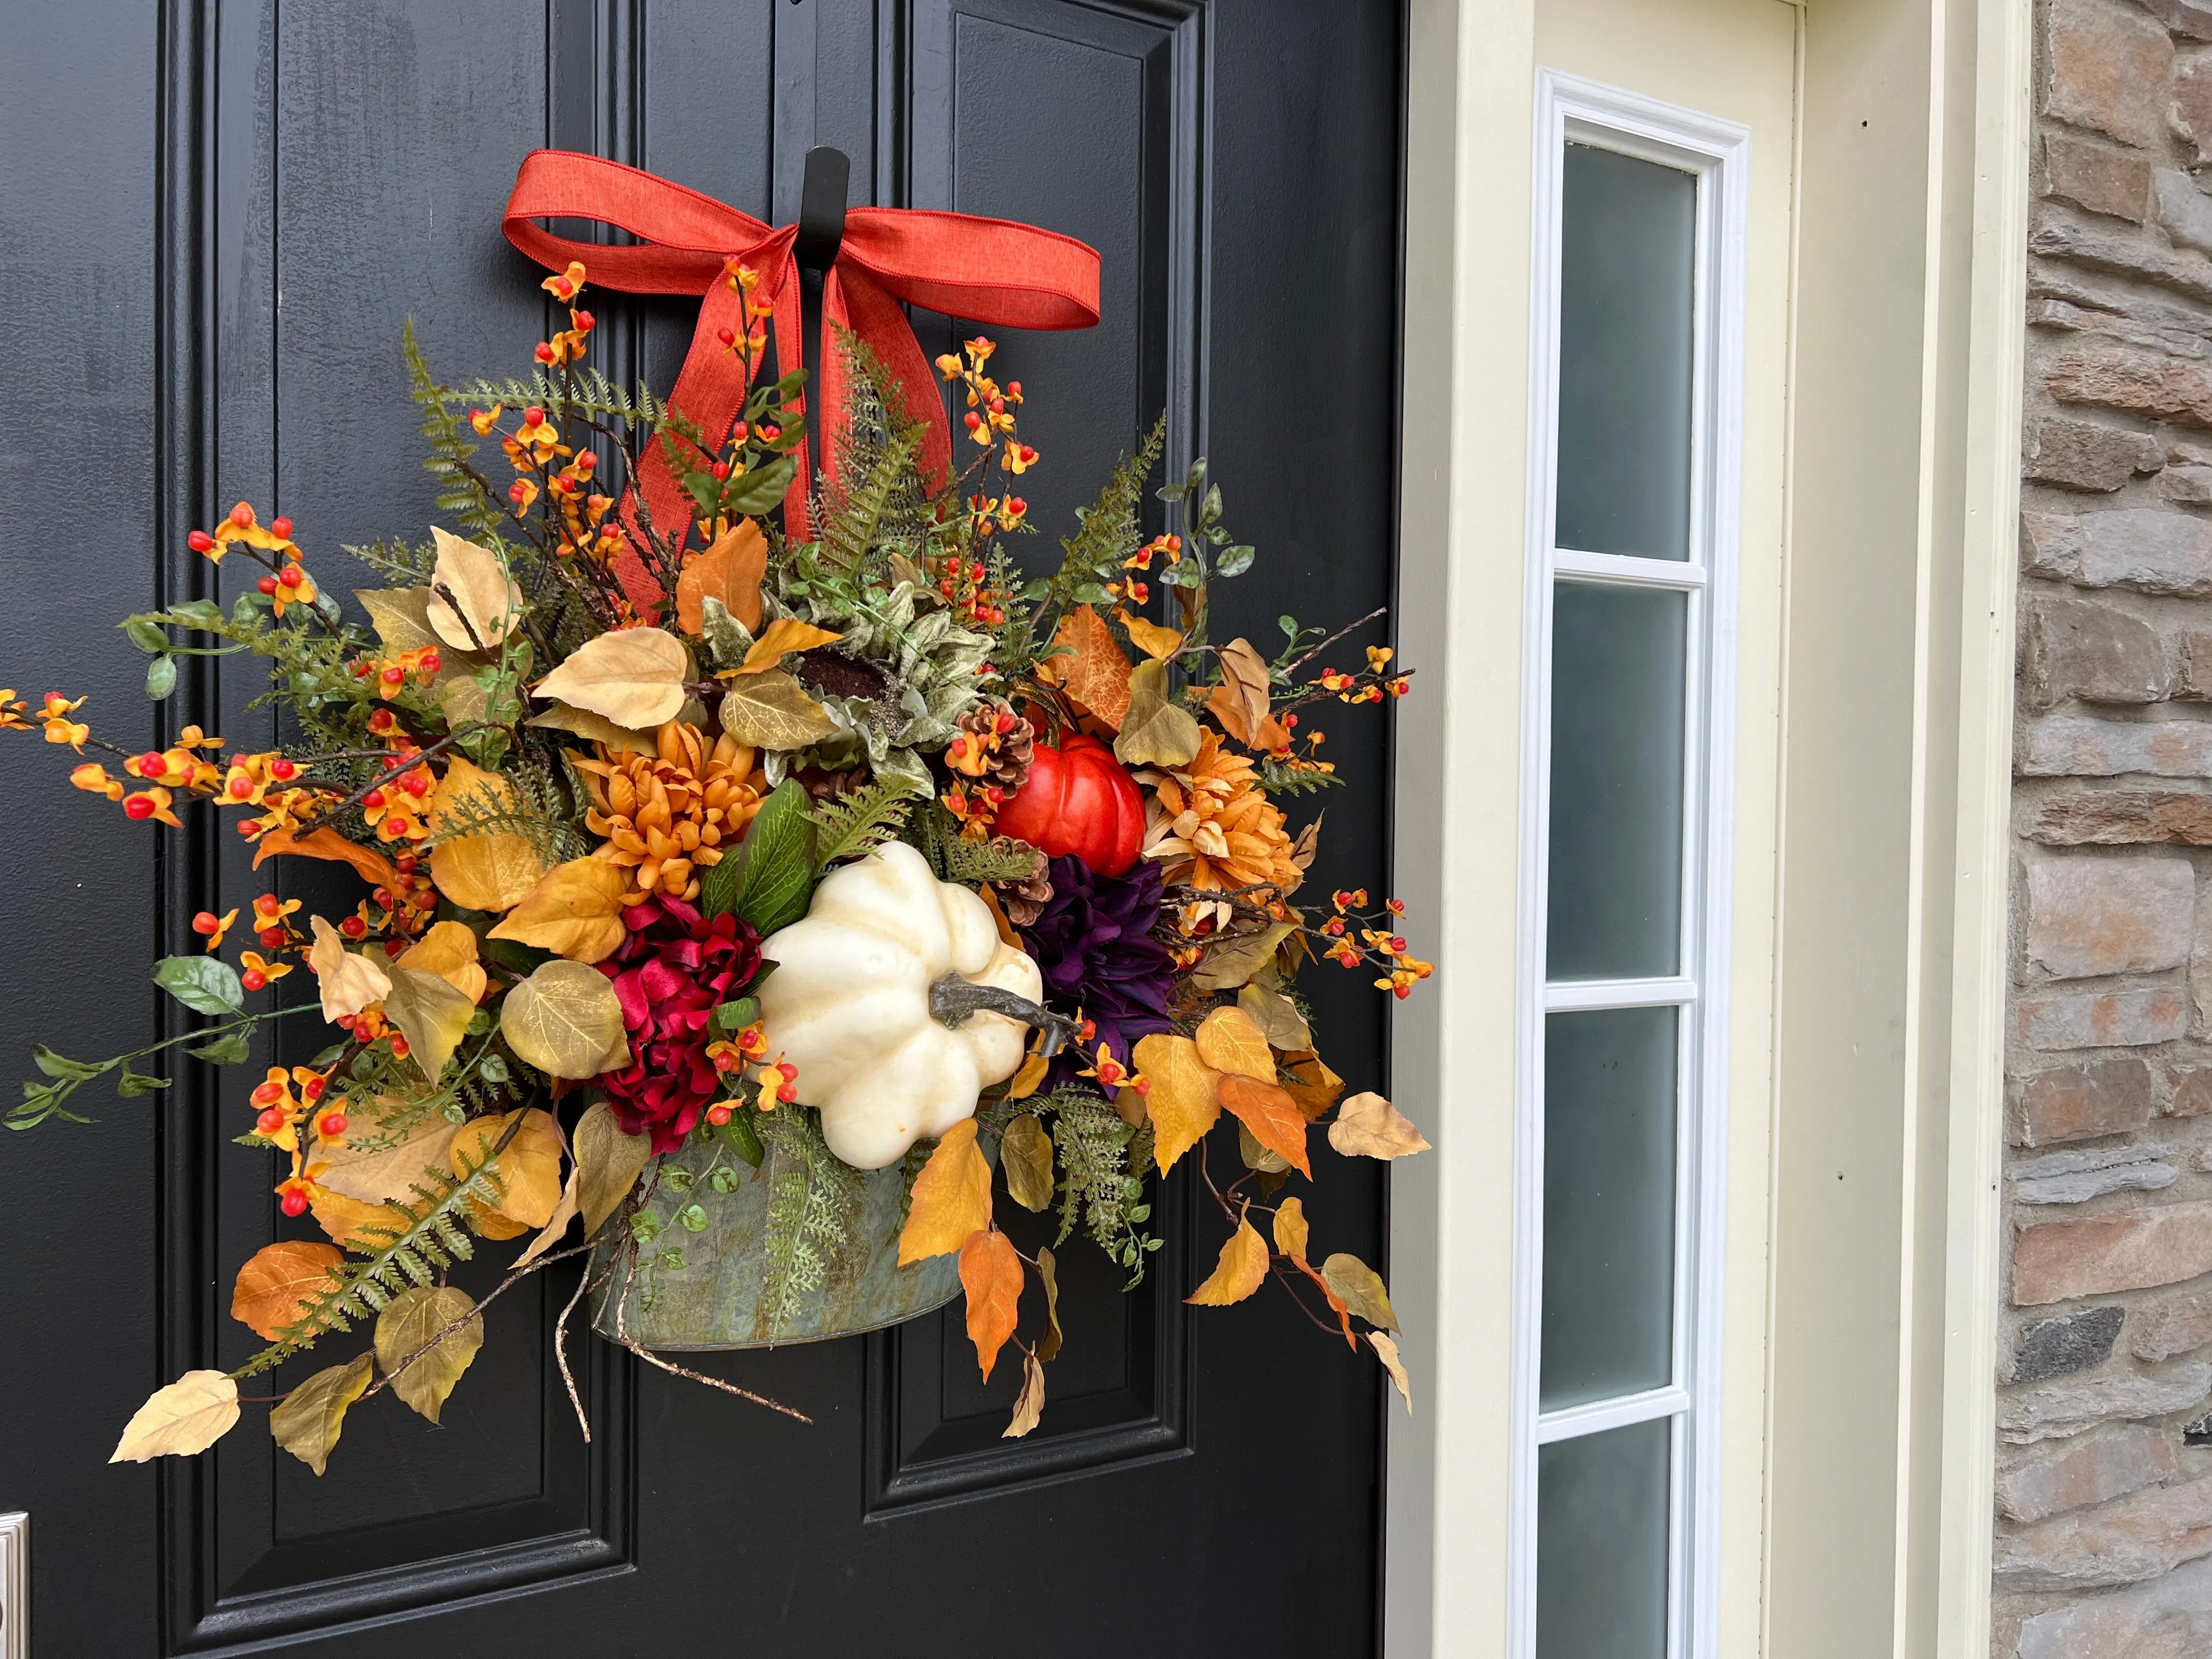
(1213, 829)
(668, 816)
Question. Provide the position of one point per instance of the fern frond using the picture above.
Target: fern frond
(975, 862)
(859, 823)
(876, 482)
(460, 491)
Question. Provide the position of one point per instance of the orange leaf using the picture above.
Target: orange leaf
(327, 843)
(1267, 1110)
(1243, 1266)
(991, 1274)
(728, 568)
(1305, 1077)
(277, 1282)
(343, 1218)
(1097, 675)
(952, 1197)
(1230, 1039)
(1335, 1301)
(1181, 1102)
(1241, 701)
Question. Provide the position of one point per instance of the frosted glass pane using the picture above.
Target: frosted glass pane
(1618, 661)
(1627, 249)
(1608, 1204)
(1601, 1544)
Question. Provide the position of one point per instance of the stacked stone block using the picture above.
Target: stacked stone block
(2104, 1490)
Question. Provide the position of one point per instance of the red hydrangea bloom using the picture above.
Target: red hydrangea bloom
(670, 971)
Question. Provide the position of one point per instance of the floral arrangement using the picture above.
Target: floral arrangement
(695, 855)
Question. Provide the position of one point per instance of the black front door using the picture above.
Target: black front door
(213, 219)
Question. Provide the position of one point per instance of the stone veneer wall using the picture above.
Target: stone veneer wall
(2104, 1487)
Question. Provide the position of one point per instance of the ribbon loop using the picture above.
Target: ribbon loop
(986, 270)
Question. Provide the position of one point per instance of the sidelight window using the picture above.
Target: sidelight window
(1636, 376)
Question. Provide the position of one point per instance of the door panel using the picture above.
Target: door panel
(301, 179)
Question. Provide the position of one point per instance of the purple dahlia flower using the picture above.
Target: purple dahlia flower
(1093, 943)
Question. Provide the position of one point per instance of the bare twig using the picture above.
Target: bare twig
(414, 758)
(1293, 667)
(675, 1369)
(560, 1355)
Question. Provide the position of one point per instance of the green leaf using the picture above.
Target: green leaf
(148, 637)
(132, 1083)
(778, 875)
(736, 1016)
(694, 1217)
(232, 1050)
(758, 491)
(62, 1065)
(203, 984)
(199, 613)
(161, 677)
(1186, 574)
(1234, 561)
(739, 1135)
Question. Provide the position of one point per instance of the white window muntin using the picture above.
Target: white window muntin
(1716, 154)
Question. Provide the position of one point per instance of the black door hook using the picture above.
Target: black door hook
(822, 196)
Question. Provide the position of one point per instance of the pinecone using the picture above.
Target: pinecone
(993, 748)
(824, 785)
(1024, 901)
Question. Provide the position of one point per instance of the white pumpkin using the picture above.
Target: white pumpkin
(849, 1005)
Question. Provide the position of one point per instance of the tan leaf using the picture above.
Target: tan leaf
(575, 911)
(1131, 1106)
(1155, 731)
(563, 1214)
(1277, 1016)
(327, 844)
(181, 1420)
(1243, 1266)
(413, 1318)
(400, 616)
(582, 723)
(1361, 1288)
(449, 951)
(771, 710)
(784, 635)
(1028, 1404)
(379, 1178)
(1368, 1125)
(528, 1172)
(633, 676)
(1291, 1229)
(1241, 701)
(1335, 1301)
(1257, 1156)
(1152, 638)
(1025, 1154)
(349, 981)
(1034, 1066)
(991, 1274)
(490, 604)
(430, 1014)
(1181, 1100)
(1097, 675)
(488, 871)
(609, 1162)
(1048, 1271)
(566, 1020)
(1386, 1349)
(278, 1281)
(1226, 967)
(1267, 1110)
(729, 568)
(1308, 844)
(1308, 1080)
(344, 1219)
(952, 1197)
(306, 1422)
(1230, 1039)
(463, 700)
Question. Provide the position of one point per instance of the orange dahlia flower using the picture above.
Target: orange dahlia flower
(1213, 829)
(668, 816)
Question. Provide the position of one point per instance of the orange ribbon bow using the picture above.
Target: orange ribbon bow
(985, 271)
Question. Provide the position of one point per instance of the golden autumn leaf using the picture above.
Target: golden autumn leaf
(528, 1170)
(1049, 1271)
(277, 1280)
(785, 633)
(1386, 1350)
(952, 1197)
(1155, 731)
(1028, 1404)
(1025, 1082)
(1361, 1288)
(609, 1162)
(1267, 1110)
(472, 579)
(386, 1173)
(449, 951)
(488, 871)
(1291, 1229)
(1277, 1018)
(1368, 1125)
(575, 911)
(1230, 1039)
(1130, 1105)
(411, 1318)
(1240, 702)
(1242, 1267)
(1026, 1155)
(349, 981)
(728, 569)
(1097, 675)
(771, 710)
(582, 723)
(1182, 1102)
(307, 1421)
(566, 1020)
(633, 676)
(1152, 638)
(430, 1014)
(343, 1218)
(327, 844)
(563, 1214)
(180, 1420)
(991, 1274)
(401, 618)
(1305, 1077)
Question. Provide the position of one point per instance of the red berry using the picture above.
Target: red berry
(242, 516)
(392, 676)
(532, 415)
(417, 783)
(200, 542)
(544, 352)
(152, 764)
(272, 938)
(293, 1203)
(267, 584)
(405, 864)
(292, 576)
(254, 980)
(399, 1046)
(583, 321)
(353, 928)
(382, 896)
(720, 470)
(1016, 506)
(373, 800)
(138, 807)
(206, 922)
(974, 420)
(718, 1115)
(787, 1092)
(268, 1094)
(333, 1125)
(269, 1120)
(432, 662)
(241, 786)
(281, 527)
(282, 769)
(726, 335)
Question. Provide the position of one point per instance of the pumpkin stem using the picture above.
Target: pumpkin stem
(952, 999)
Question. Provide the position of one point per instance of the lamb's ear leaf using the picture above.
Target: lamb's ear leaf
(776, 878)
